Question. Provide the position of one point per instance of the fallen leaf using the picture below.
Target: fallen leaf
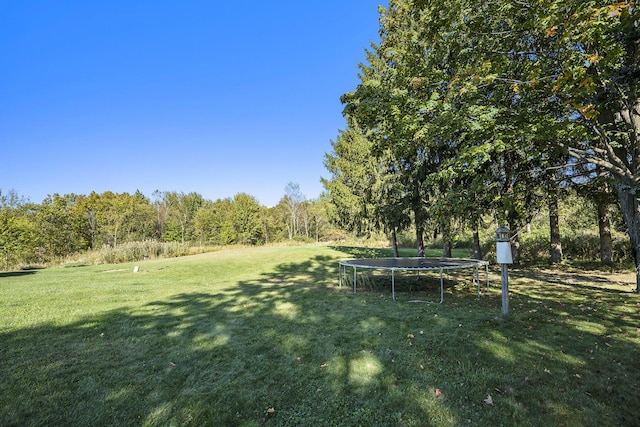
(324, 365)
(547, 371)
(437, 393)
(489, 400)
(410, 336)
(271, 411)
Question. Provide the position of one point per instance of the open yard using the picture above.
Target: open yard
(265, 336)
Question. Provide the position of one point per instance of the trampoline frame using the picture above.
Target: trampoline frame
(414, 264)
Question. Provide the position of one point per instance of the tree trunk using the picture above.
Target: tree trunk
(91, 219)
(419, 239)
(604, 227)
(476, 243)
(555, 254)
(446, 249)
(305, 222)
(446, 239)
(394, 243)
(631, 213)
(265, 232)
(515, 244)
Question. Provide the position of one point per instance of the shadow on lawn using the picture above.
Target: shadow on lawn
(577, 279)
(17, 273)
(289, 349)
(360, 252)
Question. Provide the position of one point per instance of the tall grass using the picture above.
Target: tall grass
(136, 251)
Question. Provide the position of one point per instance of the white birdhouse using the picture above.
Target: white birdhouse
(503, 246)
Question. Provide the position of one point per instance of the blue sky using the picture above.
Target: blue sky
(206, 96)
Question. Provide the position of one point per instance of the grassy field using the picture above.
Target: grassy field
(265, 336)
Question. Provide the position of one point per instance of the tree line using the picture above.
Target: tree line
(492, 109)
(473, 113)
(63, 225)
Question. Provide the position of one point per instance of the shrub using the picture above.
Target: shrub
(578, 247)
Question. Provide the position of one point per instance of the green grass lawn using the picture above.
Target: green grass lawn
(265, 336)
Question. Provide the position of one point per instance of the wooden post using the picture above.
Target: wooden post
(505, 291)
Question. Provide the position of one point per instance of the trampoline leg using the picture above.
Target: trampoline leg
(393, 285)
(355, 279)
(486, 273)
(441, 288)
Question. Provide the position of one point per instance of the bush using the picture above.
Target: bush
(577, 247)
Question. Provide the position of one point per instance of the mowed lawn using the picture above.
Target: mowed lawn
(265, 336)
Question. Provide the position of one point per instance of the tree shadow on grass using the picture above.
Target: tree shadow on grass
(578, 279)
(362, 252)
(17, 273)
(281, 350)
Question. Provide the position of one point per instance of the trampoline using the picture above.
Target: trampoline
(414, 264)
